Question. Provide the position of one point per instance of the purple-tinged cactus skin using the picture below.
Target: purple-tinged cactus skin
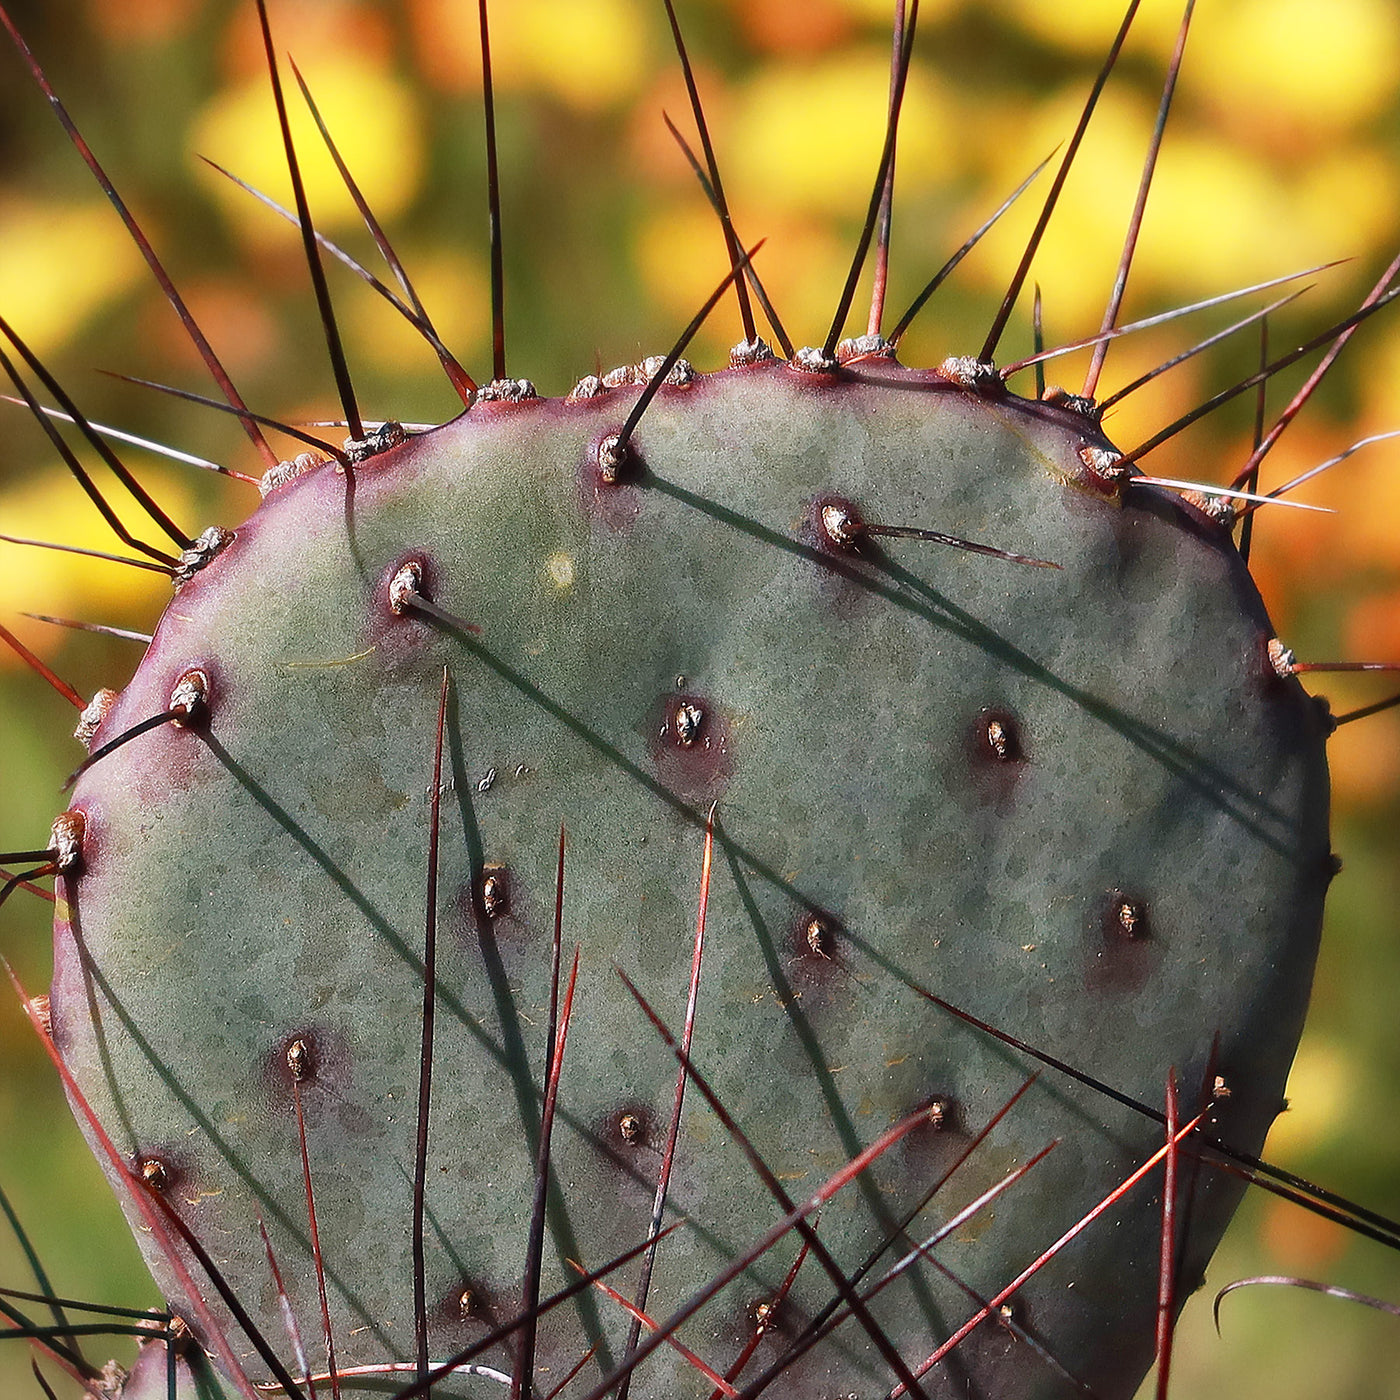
(970, 727)
(1137, 883)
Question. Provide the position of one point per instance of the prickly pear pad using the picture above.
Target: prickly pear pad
(1074, 801)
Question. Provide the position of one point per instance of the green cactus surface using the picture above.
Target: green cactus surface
(1075, 800)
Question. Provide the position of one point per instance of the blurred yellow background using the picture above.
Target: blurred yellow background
(1283, 152)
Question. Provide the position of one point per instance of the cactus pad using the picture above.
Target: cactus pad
(1075, 801)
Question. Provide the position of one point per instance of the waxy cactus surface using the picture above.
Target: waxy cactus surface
(1077, 801)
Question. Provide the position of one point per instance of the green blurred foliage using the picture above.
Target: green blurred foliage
(1282, 152)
